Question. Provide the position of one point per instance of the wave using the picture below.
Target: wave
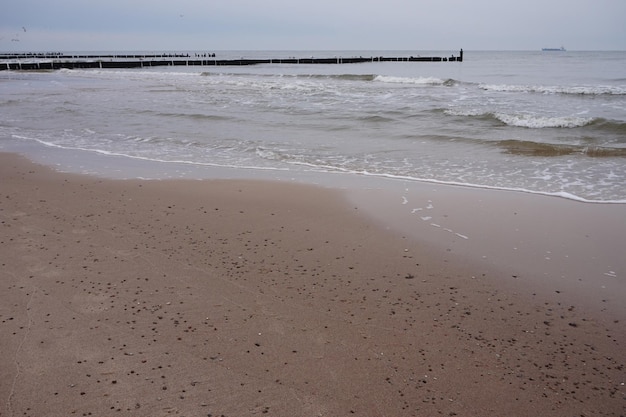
(527, 120)
(191, 116)
(430, 81)
(434, 81)
(538, 122)
(424, 81)
(342, 77)
(348, 77)
(375, 119)
(534, 121)
(615, 127)
(594, 90)
(529, 148)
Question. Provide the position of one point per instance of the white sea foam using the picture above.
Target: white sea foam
(533, 121)
(528, 120)
(460, 111)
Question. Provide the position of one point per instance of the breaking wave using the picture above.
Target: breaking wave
(538, 122)
(434, 81)
(527, 120)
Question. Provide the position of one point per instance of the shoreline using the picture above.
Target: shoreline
(119, 166)
(239, 297)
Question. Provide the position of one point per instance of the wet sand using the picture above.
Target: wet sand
(235, 298)
(541, 246)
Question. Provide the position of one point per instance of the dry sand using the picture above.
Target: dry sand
(237, 298)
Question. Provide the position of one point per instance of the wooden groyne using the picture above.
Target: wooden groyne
(35, 62)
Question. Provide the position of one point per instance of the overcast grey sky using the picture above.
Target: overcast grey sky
(211, 25)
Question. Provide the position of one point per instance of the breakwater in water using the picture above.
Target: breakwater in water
(54, 61)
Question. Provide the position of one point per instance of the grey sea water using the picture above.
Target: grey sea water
(542, 122)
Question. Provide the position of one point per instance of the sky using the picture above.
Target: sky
(214, 25)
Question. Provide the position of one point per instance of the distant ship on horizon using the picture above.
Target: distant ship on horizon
(561, 49)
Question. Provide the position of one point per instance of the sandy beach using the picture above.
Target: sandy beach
(239, 298)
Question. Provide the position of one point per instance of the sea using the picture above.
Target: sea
(551, 123)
